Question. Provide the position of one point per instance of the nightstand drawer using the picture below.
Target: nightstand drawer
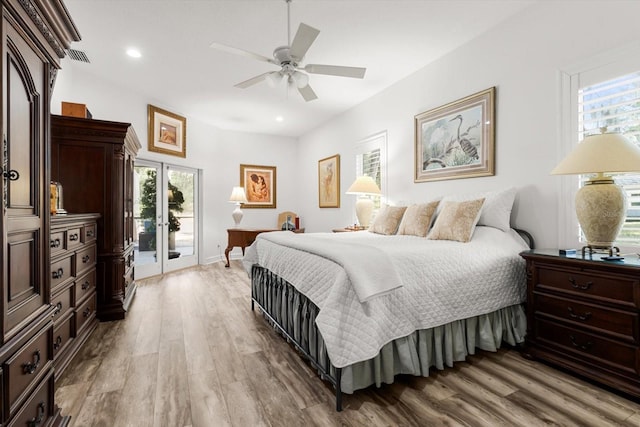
(590, 347)
(589, 284)
(618, 324)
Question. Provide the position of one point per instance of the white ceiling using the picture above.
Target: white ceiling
(178, 70)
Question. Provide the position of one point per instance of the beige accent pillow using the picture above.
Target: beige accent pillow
(417, 219)
(387, 220)
(457, 220)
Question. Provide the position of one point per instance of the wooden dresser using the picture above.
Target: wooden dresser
(35, 35)
(73, 284)
(93, 160)
(584, 315)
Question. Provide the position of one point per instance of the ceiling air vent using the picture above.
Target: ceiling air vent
(78, 55)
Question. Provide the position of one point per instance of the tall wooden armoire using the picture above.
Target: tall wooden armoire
(35, 35)
(93, 160)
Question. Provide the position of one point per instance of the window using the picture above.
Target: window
(604, 95)
(370, 155)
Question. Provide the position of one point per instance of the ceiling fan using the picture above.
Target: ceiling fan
(289, 59)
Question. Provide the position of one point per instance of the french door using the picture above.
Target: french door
(165, 211)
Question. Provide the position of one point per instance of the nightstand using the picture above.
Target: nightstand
(347, 229)
(584, 315)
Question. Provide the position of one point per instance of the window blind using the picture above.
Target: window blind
(615, 105)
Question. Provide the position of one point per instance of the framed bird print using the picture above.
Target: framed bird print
(456, 140)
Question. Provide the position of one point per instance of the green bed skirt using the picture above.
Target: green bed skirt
(414, 354)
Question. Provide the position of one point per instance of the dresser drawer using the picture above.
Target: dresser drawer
(63, 302)
(588, 346)
(24, 367)
(60, 271)
(617, 324)
(89, 233)
(85, 285)
(85, 312)
(73, 238)
(62, 335)
(85, 259)
(37, 411)
(57, 243)
(611, 288)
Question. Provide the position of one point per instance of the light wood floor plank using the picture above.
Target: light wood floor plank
(191, 353)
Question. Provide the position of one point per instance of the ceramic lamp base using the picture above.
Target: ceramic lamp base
(237, 215)
(364, 209)
(601, 209)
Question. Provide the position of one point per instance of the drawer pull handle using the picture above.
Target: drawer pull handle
(30, 368)
(58, 274)
(85, 285)
(55, 243)
(73, 237)
(58, 343)
(584, 347)
(87, 312)
(90, 233)
(35, 422)
(85, 259)
(575, 284)
(574, 315)
(58, 308)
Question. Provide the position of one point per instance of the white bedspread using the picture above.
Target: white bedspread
(442, 281)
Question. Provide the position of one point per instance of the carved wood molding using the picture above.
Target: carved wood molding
(44, 29)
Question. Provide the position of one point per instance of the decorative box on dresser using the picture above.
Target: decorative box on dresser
(73, 284)
(35, 35)
(584, 315)
(93, 160)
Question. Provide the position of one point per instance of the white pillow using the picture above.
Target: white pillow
(496, 210)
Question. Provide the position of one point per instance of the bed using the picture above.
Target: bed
(364, 307)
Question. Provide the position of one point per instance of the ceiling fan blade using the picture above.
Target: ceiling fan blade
(302, 41)
(336, 70)
(242, 52)
(254, 80)
(307, 93)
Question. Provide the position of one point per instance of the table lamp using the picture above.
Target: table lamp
(601, 205)
(238, 197)
(364, 186)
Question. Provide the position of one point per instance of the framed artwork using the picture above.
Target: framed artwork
(329, 182)
(167, 132)
(259, 184)
(456, 140)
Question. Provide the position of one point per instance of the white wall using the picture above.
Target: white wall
(523, 58)
(216, 152)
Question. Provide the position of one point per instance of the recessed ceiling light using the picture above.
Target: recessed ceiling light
(279, 119)
(134, 53)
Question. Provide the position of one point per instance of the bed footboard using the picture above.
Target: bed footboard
(293, 315)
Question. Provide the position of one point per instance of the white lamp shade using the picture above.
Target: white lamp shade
(364, 185)
(607, 152)
(238, 195)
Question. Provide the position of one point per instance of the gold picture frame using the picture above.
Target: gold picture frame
(329, 182)
(167, 132)
(456, 140)
(259, 184)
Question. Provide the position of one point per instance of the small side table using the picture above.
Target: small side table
(243, 237)
(347, 229)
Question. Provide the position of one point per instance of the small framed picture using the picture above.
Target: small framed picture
(259, 184)
(329, 182)
(167, 132)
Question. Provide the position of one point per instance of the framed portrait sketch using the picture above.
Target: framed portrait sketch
(329, 182)
(456, 140)
(167, 132)
(259, 184)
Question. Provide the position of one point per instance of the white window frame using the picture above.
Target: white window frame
(599, 68)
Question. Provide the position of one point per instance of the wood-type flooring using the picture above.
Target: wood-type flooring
(192, 353)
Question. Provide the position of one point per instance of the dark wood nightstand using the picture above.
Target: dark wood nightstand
(584, 315)
(243, 237)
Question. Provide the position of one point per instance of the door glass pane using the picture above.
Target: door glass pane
(180, 195)
(145, 213)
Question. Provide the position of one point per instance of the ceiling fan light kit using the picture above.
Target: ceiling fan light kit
(288, 58)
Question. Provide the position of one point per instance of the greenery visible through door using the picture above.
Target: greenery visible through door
(148, 205)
